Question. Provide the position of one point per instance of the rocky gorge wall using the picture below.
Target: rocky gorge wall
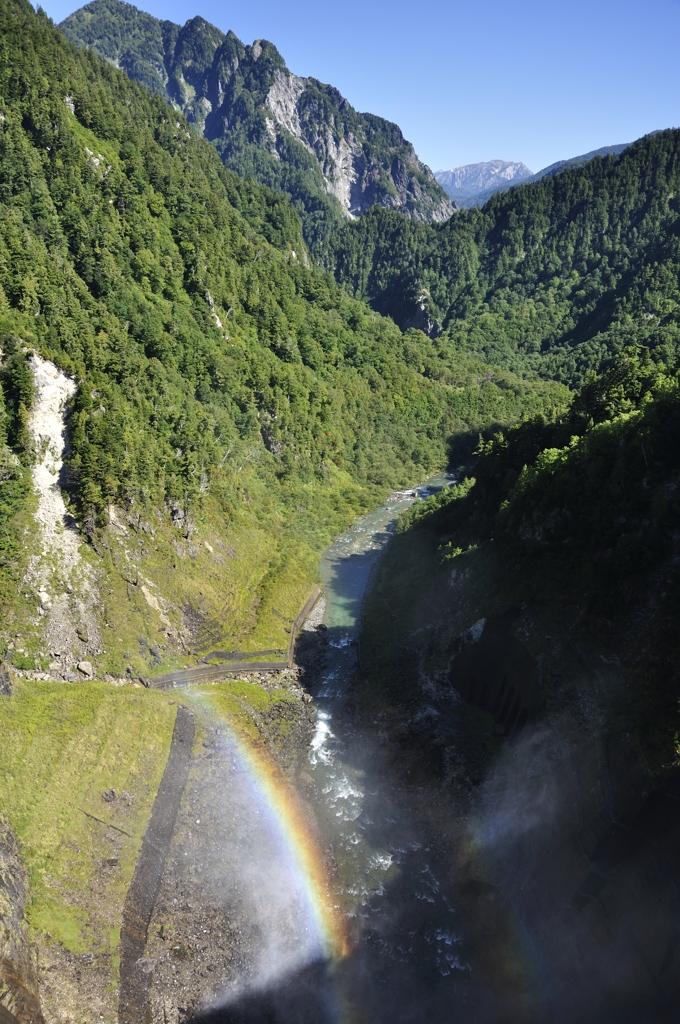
(572, 833)
(19, 1000)
(586, 853)
(511, 706)
(494, 671)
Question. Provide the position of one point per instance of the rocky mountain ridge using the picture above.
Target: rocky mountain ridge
(294, 134)
(462, 183)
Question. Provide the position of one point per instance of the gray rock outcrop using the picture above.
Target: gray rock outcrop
(5, 682)
(353, 171)
(19, 1000)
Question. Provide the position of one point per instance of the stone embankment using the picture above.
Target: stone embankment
(141, 897)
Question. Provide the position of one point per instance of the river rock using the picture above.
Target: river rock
(18, 974)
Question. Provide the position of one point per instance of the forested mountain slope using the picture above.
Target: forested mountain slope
(573, 523)
(552, 278)
(223, 408)
(560, 165)
(293, 134)
(212, 363)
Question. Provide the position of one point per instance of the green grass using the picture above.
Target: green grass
(245, 579)
(235, 700)
(63, 746)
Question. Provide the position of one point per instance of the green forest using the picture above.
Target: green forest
(552, 278)
(583, 509)
(210, 355)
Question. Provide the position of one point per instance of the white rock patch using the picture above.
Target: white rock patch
(48, 432)
(154, 603)
(57, 574)
(282, 100)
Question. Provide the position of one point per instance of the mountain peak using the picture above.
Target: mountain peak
(296, 135)
(464, 182)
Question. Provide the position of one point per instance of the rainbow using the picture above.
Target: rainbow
(288, 821)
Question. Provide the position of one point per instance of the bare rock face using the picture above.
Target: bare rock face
(264, 120)
(62, 582)
(5, 682)
(19, 999)
(359, 169)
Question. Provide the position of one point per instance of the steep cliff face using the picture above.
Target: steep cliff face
(18, 984)
(293, 134)
(365, 161)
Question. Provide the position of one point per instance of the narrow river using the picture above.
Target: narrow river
(407, 963)
(235, 926)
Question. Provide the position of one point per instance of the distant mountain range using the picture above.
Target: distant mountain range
(464, 183)
(472, 184)
(295, 135)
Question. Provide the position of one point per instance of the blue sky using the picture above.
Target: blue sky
(475, 81)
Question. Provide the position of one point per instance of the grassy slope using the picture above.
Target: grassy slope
(63, 747)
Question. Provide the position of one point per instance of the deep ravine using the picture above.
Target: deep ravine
(233, 935)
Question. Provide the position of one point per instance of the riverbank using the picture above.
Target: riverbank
(564, 823)
(79, 773)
